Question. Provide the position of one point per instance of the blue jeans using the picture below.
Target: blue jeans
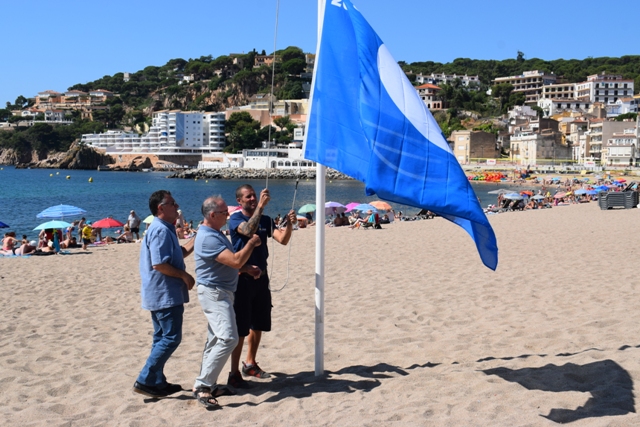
(167, 334)
(222, 337)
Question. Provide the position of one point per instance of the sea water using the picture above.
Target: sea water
(26, 192)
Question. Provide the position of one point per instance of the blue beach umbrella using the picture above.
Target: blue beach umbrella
(592, 192)
(3, 225)
(580, 191)
(57, 225)
(363, 207)
(60, 211)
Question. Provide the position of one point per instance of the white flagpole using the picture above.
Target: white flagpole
(321, 172)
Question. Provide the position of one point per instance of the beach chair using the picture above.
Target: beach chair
(371, 222)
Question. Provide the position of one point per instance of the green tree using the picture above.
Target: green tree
(294, 66)
(4, 114)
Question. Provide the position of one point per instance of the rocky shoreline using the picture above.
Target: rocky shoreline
(245, 174)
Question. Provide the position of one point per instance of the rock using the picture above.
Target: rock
(240, 174)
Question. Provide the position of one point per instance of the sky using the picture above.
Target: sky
(54, 45)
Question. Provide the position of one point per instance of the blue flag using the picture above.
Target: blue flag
(368, 122)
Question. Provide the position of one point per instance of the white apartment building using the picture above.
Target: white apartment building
(529, 82)
(622, 106)
(429, 95)
(471, 82)
(173, 132)
(606, 88)
(213, 130)
(553, 106)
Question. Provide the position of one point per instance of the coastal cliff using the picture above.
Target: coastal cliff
(77, 157)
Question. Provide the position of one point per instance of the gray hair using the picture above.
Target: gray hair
(210, 204)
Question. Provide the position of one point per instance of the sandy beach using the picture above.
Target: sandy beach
(418, 332)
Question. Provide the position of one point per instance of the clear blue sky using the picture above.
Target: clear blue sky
(56, 44)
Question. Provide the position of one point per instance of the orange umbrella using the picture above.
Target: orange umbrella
(379, 204)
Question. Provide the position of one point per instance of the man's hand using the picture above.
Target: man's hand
(255, 241)
(252, 270)
(264, 198)
(188, 280)
(292, 217)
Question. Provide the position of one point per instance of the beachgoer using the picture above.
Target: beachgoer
(81, 225)
(126, 236)
(9, 242)
(164, 291)
(217, 268)
(133, 221)
(253, 297)
(86, 234)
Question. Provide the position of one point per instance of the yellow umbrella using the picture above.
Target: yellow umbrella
(148, 219)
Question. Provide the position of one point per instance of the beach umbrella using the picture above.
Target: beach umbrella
(307, 208)
(60, 211)
(148, 220)
(3, 225)
(559, 195)
(351, 205)
(592, 192)
(55, 224)
(332, 208)
(500, 191)
(363, 207)
(379, 204)
(602, 188)
(107, 223)
(580, 191)
(538, 197)
(620, 180)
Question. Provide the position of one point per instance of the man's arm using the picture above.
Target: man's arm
(282, 236)
(238, 259)
(169, 270)
(187, 249)
(249, 228)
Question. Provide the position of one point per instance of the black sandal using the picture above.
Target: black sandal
(207, 401)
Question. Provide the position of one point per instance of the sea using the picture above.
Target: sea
(24, 193)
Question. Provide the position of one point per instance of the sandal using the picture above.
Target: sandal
(203, 395)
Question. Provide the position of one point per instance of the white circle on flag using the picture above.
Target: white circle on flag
(406, 98)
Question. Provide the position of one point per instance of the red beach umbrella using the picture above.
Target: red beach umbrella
(107, 223)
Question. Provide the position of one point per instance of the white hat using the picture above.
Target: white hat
(32, 243)
(50, 244)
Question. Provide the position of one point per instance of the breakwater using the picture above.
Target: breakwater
(245, 174)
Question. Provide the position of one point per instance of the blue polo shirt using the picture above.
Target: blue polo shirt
(160, 245)
(209, 272)
(261, 253)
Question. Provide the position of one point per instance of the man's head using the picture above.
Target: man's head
(246, 197)
(132, 212)
(162, 205)
(215, 212)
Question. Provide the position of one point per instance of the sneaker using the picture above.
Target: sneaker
(150, 391)
(254, 371)
(236, 381)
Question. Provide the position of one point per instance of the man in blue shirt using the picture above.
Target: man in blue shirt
(253, 296)
(217, 266)
(164, 291)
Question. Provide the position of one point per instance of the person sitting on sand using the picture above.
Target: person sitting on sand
(126, 236)
(69, 243)
(9, 242)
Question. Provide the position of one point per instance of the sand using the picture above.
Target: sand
(418, 331)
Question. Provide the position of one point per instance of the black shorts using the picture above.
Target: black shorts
(252, 304)
(135, 229)
(86, 241)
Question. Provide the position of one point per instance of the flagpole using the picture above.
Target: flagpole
(321, 172)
